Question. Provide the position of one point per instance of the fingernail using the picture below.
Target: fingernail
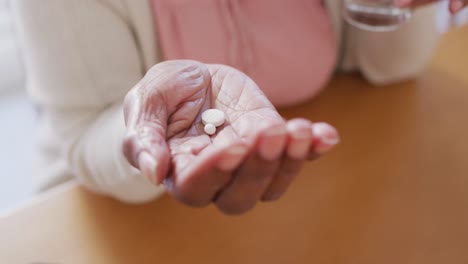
(299, 147)
(272, 143)
(456, 6)
(327, 137)
(148, 167)
(233, 158)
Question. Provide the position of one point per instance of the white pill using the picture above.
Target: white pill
(213, 116)
(210, 129)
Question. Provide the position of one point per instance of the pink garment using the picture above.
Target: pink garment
(286, 46)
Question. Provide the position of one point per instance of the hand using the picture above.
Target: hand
(455, 5)
(254, 156)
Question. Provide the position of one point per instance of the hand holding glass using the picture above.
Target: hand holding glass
(375, 15)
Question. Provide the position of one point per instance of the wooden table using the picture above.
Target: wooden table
(395, 191)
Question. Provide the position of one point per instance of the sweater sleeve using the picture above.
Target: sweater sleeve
(81, 58)
(389, 57)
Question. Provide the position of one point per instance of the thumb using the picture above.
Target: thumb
(144, 144)
(167, 90)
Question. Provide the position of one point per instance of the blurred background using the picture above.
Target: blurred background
(17, 115)
(17, 118)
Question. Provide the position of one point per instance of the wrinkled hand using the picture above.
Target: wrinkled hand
(253, 157)
(455, 5)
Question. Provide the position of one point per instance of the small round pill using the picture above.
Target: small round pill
(210, 129)
(213, 116)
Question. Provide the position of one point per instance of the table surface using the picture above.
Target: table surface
(395, 191)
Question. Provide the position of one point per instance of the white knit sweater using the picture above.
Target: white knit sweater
(83, 56)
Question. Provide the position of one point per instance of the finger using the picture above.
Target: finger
(148, 108)
(457, 5)
(255, 174)
(208, 172)
(299, 143)
(144, 144)
(145, 148)
(325, 138)
(179, 88)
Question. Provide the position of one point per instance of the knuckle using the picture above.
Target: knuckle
(150, 133)
(132, 94)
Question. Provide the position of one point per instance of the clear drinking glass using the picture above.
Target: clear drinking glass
(375, 15)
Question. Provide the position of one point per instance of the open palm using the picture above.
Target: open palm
(253, 156)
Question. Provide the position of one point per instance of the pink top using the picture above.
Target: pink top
(286, 46)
